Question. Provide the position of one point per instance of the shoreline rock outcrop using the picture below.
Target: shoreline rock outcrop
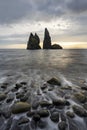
(47, 40)
(33, 42)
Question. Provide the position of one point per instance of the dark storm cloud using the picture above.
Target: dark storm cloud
(77, 6)
(13, 10)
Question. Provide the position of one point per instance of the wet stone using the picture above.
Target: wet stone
(19, 95)
(44, 104)
(24, 98)
(30, 113)
(70, 114)
(62, 125)
(59, 102)
(43, 113)
(18, 85)
(54, 81)
(79, 111)
(54, 117)
(6, 113)
(80, 97)
(20, 107)
(42, 124)
(10, 99)
(36, 117)
(44, 86)
(35, 105)
(63, 118)
(23, 83)
(2, 96)
(23, 120)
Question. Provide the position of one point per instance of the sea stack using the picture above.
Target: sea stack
(33, 42)
(47, 40)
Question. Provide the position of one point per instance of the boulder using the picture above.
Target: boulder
(43, 113)
(80, 97)
(20, 107)
(54, 117)
(62, 125)
(56, 46)
(2, 96)
(33, 42)
(70, 114)
(47, 40)
(54, 81)
(23, 120)
(80, 111)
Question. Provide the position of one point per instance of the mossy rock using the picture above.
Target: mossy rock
(43, 113)
(2, 96)
(20, 107)
(80, 111)
(54, 81)
(80, 97)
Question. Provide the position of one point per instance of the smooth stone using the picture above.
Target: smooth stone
(42, 124)
(23, 83)
(55, 117)
(80, 97)
(10, 99)
(54, 81)
(70, 114)
(44, 104)
(59, 102)
(43, 113)
(4, 86)
(62, 125)
(24, 98)
(35, 105)
(36, 117)
(19, 95)
(20, 107)
(44, 86)
(23, 120)
(63, 117)
(67, 88)
(84, 87)
(79, 111)
(18, 85)
(30, 113)
(6, 113)
(2, 96)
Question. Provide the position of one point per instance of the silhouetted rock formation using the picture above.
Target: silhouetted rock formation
(33, 42)
(56, 46)
(47, 40)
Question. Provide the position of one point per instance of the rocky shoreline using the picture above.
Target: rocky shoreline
(51, 106)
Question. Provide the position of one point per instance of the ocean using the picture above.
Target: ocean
(28, 101)
(40, 64)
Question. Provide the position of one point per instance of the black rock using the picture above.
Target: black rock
(56, 46)
(54, 117)
(36, 117)
(54, 81)
(23, 120)
(43, 113)
(62, 125)
(33, 42)
(47, 40)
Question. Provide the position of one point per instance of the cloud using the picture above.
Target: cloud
(65, 19)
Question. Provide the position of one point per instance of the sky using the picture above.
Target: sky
(66, 21)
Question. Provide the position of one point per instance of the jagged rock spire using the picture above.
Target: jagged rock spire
(47, 40)
(33, 42)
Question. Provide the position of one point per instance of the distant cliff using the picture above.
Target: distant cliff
(34, 42)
